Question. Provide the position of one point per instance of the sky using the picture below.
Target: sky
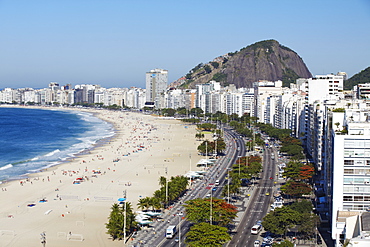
(113, 43)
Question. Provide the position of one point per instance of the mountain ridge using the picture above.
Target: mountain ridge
(263, 60)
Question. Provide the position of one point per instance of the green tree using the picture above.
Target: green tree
(182, 111)
(292, 170)
(208, 69)
(196, 111)
(199, 135)
(285, 243)
(115, 222)
(168, 112)
(116, 218)
(198, 210)
(144, 203)
(215, 64)
(204, 234)
(296, 188)
(279, 220)
(308, 223)
(205, 147)
(206, 127)
(303, 206)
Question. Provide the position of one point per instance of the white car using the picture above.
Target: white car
(256, 243)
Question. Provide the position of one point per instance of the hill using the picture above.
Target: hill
(264, 60)
(362, 77)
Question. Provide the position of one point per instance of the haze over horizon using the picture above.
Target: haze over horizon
(114, 42)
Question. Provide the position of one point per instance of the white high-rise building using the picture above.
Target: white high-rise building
(263, 93)
(156, 84)
(350, 165)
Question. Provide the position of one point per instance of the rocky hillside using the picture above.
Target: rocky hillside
(265, 60)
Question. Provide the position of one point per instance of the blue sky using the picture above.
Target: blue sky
(114, 42)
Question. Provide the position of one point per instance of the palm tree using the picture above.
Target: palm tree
(155, 203)
(115, 222)
(162, 181)
(144, 203)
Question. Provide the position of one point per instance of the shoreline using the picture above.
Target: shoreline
(146, 147)
(70, 157)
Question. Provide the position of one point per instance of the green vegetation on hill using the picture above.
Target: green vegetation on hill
(362, 77)
(220, 77)
(289, 76)
(265, 44)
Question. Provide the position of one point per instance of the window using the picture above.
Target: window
(348, 171)
(358, 207)
(359, 198)
(350, 162)
(347, 198)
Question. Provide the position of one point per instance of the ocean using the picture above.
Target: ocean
(35, 139)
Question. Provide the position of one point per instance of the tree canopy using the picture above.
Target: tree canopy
(279, 220)
(198, 210)
(115, 223)
(204, 234)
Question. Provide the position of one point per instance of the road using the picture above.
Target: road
(258, 204)
(235, 149)
(154, 236)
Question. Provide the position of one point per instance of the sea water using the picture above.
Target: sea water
(35, 139)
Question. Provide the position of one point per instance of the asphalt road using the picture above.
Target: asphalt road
(155, 235)
(258, 204)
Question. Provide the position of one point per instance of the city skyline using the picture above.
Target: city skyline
(114, 43)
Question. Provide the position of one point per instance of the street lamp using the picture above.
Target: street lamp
(215, 141)
(206, 153)
(211, 205)
(239, 164)
(210, 208)
(191, 178)
(124, 218)
(179, 214)
(228, 187)
(43, 238)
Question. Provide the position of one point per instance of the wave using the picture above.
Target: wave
(6, 167)
(52, 153)
(77, 141)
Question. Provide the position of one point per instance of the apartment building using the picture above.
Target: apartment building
(156, 84)
(264, 92)
(351, 165)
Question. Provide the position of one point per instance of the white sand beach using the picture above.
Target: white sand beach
(142, 150)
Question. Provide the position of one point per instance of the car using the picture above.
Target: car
(256, 243)
(176, 240)
(267, 193)
(271, 178)
(319, 241)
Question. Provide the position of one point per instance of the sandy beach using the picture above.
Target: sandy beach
(79, 193)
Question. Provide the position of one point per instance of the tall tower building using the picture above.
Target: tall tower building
(156, 84)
